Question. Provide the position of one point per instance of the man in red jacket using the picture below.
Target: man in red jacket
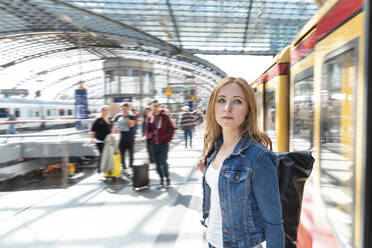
(160, 131)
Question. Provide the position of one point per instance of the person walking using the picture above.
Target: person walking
(198, 117)
(241, 201)
(127, 125)
(160, 131)
(101, 127)
(11, 119)
(187, 123)
(146, 114)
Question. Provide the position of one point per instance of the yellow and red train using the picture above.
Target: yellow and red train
(317, 95)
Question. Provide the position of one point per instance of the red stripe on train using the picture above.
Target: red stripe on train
(330, 22)
(276, 70)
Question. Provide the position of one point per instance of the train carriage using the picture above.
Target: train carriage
(327, 57)
(329, 71)
(36, 114)
(272, 90)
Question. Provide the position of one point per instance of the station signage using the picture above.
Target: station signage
(81, 109)
(123, 99)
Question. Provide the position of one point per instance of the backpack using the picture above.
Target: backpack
(293, 170)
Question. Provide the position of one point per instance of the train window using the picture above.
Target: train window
(269, 108)
(259, 96)
(37, 113)
(61, 112)
(69, 112)
(17, 112)
(3, 113)
(303, 111)
(337, 141)
(49, 112)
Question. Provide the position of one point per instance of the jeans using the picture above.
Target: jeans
(125, 145)
(159, 153)
(188, 135)
(11, 130)
(151, 159)
(257, 246)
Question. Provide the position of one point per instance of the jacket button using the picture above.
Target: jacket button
(221, 192)
(223, 174)
(237, 177)
(223, 211)
(225, 230)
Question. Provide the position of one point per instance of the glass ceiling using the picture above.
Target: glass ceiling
(211, 26)
(51, 45)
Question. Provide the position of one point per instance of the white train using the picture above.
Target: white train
(36, 114)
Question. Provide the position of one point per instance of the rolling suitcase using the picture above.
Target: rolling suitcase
(141, 176)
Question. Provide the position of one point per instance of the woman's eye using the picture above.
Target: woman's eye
(221, 100)
(237, 101)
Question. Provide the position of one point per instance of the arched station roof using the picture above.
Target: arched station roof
(51, 45)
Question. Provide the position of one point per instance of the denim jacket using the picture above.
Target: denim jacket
(249, 196)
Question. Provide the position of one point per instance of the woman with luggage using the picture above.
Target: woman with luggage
(240, 183)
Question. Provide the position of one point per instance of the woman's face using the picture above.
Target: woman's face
(104, 111)
(231, 107)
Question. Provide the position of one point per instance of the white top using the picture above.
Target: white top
(214, 229)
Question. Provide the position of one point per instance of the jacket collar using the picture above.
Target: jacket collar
(239, 148)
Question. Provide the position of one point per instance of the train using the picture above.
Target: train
(316, 95)
(34, 115)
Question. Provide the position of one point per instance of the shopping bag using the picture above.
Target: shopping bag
(111, 159)
(116, 171)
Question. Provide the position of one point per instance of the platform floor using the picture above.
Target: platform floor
(96, 213)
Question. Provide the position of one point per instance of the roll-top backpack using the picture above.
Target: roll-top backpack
(294, 169)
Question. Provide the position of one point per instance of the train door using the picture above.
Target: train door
(337, 125)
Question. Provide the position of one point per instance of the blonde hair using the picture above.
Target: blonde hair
(249, 127)
(102, 108)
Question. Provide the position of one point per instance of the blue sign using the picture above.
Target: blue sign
(123, 99)
(81, 109)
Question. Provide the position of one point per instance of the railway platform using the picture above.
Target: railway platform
(98, 213)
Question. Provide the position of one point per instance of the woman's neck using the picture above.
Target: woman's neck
(230, 139)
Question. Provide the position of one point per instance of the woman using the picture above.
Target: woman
(147, 112)
(100, 129)
(240, 184)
